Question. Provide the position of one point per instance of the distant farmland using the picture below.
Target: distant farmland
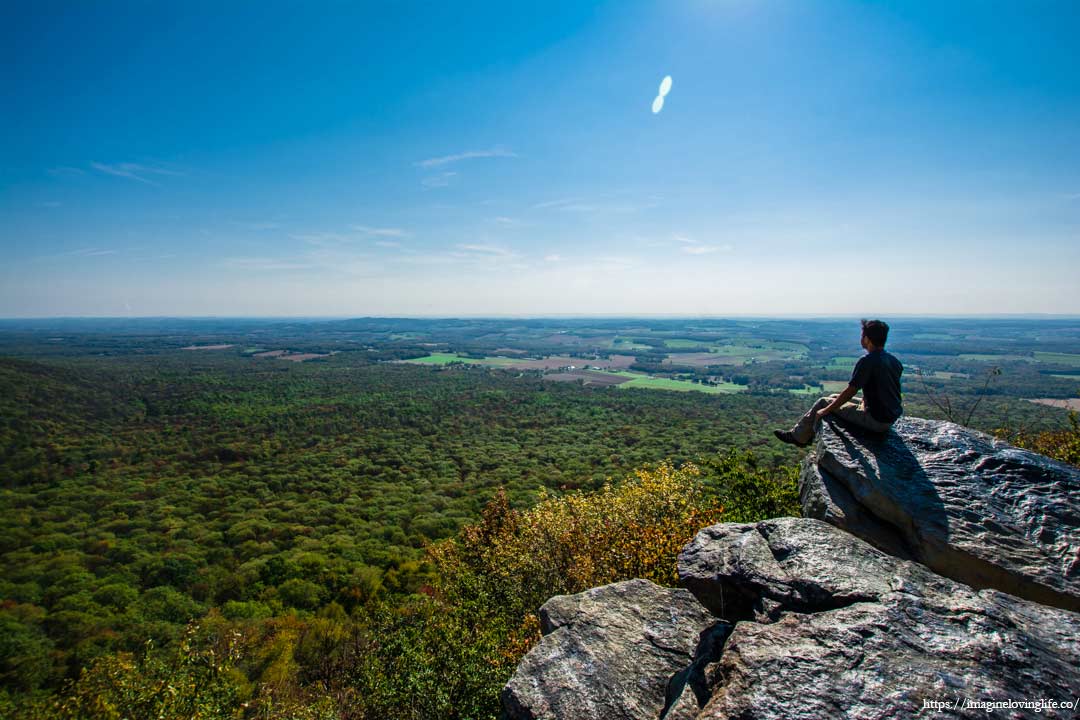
(588, 377)
(549, 363)
(636, 380)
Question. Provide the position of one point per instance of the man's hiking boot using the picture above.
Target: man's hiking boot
(788, 437)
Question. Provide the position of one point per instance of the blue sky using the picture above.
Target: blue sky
(498, 158)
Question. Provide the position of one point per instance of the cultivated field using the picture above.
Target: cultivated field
(301, 357)
(555, 362)
(1058, 358)
(637, 380)
(588, 377)
(1066, 404)
(291, 356)
(704, 359)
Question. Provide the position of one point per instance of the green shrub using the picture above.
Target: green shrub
(749, 491)
(1063, 445)
(192, 681)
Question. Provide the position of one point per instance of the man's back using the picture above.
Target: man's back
(877, 374)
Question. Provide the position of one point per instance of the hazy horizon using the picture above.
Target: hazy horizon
(564, 316)
(810, 160)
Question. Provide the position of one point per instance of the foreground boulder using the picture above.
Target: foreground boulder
(967, 506)
(836, 628)
(962, 596)
(813, 623)
(608, 653)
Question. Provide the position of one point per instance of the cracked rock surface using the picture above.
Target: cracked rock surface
(840, 629)
(607, 653)
(967, 506)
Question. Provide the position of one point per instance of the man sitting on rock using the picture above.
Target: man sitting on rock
(877, 374)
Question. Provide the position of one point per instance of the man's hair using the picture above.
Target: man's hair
(875, 331)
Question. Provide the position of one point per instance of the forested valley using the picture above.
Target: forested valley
(140, 494)
(213, 531)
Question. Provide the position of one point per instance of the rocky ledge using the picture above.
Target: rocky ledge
(797, 618)
(967, 506)
(609, 652)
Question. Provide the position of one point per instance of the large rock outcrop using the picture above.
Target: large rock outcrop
(967, 506)
(964, 592)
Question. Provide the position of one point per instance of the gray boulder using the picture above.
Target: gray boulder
(828, 626)
(611, 652)
(967, 506)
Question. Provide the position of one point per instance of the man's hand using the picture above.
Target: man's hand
(845, 395)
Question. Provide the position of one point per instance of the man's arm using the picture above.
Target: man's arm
(843, 397)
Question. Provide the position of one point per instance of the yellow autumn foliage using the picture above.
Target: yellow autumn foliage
(516, 559)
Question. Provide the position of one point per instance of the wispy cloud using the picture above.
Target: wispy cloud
(134, 171)
(91, 252)
(320, 260)
(355, 234)
(320, 238)
(475, 255)
(268, 263)
(495, 152)
(80, 253)
(379, 231)
(705, 249)
(506, 221)
(486, 249)
(552, 258)
(441, 180)
(583, 205)
(696, 247)
(553, 204)
(257, 225)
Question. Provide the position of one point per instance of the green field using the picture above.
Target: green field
(942, 375)
(738, 350)
(816, 390)
(621, 343)
(842, 361)
(1058, 358)
(437, 359)
(637, 380)
(447, 358)
(787, 346)
(683, 343)
(833, 386)
(983, 357)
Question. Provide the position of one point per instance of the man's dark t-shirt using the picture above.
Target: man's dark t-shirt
(877, 374)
